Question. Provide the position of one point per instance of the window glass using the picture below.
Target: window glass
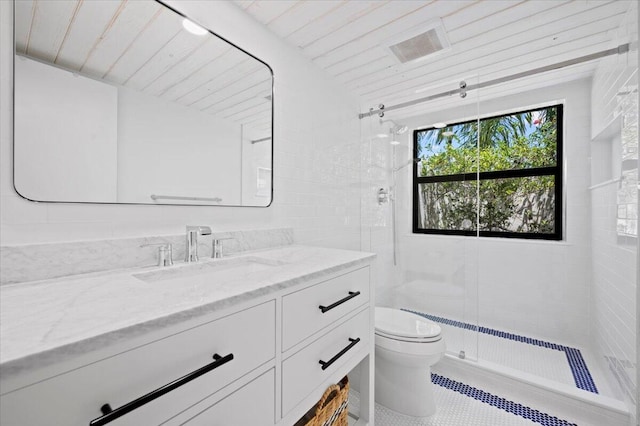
(448, 206)
(515, 173)
(519, 205)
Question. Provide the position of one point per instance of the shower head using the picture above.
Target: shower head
(397, 129)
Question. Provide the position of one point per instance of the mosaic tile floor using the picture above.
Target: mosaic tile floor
(462, 405)
(532, 359)
(563, 364)
(471, 402)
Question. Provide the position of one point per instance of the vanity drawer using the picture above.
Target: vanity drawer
(252, 404)
(75, 398)
(302, 315)
(302, 372)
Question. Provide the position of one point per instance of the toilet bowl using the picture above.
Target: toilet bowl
(406, 345)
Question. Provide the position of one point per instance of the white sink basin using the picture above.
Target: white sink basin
(250, 264)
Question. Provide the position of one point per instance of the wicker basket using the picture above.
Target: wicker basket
(332, 408)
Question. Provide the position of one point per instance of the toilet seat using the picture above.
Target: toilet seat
(408, 339)
(405, 326)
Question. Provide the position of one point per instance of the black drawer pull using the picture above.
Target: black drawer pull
(327, 364)
(339, 302)
(109, 414)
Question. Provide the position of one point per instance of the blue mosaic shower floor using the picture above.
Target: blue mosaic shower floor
(468, 401)
(459, 404)
(554, 361)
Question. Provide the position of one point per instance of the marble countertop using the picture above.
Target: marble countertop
(42, 322)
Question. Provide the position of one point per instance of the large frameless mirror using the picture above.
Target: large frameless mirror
(130, 102)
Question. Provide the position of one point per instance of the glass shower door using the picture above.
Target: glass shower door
(443, 251)
(430, 274)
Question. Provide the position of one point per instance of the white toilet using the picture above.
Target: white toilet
(407, 345)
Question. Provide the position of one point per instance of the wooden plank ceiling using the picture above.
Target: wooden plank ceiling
(142, 45)
(488, 39)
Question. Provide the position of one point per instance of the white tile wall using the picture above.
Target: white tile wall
(615, 258)
(614, 295)
(316, 170)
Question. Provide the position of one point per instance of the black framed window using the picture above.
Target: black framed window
(500, 176)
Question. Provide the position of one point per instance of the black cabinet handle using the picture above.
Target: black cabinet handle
(339, 302)
(109, 414)
(327, 364)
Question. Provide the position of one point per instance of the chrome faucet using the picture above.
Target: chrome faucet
(191, 254)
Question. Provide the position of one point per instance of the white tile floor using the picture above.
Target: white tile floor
(454, 409)
(543, 362)
(548, 363)
(457, 409)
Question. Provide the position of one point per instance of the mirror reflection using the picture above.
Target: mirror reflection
(129, 102)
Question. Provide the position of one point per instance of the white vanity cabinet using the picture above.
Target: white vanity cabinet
(336, 314)
(245, 339)
(252, 404)
(263, 361)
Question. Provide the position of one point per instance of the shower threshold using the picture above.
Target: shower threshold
(558, 375)
(566, 400)
(561, 363)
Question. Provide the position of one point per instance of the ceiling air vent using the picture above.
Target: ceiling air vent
(418, 44)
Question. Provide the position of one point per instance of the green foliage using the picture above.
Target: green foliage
(524, 204)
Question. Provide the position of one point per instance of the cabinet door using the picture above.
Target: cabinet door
(251, 405)
(75, 398)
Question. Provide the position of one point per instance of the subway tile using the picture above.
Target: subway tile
(16, 210)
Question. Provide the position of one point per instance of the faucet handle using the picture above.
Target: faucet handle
(165, 253)
(217, 252)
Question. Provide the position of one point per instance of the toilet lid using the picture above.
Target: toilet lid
(394, 322)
